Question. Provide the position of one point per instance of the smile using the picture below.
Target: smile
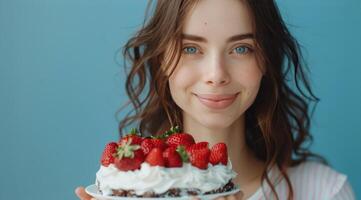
(216, 101)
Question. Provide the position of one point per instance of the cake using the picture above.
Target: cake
(169, 165)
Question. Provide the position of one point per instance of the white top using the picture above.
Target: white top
(310, 181)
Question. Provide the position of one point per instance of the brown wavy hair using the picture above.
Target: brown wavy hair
(277, 123)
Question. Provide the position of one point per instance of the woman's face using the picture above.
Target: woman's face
(218, 77)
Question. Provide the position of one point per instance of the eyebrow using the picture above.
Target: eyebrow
(197, 38)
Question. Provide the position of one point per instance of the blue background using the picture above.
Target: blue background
(60, 87)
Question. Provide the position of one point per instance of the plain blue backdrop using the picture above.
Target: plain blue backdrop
(60, 87)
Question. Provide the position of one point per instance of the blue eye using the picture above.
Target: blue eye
(190, 50)
(242, 50)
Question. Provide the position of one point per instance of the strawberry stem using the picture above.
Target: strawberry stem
(176, 129)
(183, 153)
(126, 149)
(134, 131)
(171, 131)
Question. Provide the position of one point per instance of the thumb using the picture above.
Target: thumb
(239, 195)
(80, 192)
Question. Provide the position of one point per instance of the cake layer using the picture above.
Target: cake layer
(173, 192)
(160, 180)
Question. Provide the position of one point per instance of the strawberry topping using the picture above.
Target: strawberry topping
(128, 156)
(177, 139)
(172, 157)
(171, 149)
(155, 157)
(219, 154)
(108, 154)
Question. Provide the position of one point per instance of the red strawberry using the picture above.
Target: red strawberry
(155, 157)
(147, 145)
(172, 158)
(129, 163)
(199, 145)
(128, 156)
(219, 154)
(134, 136)
(177, 139)
(107, 156)
(159, 143)
(199, 157)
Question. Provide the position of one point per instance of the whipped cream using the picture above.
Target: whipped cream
(161, 179)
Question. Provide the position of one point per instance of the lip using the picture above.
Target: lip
(216, 101)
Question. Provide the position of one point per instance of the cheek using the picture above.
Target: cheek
(182, 78)
(252, 79)
(249, 79)
(180, 84)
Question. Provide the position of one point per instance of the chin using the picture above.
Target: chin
(216, 122)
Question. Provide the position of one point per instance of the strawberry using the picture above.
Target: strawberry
(107, 156)
(199, 145)
(129, 163)
(219, 154)
(172, 157)
(155, 157)
(128, 156)
(177, 139)
(135, 139)
(159, 143)
(199, 157)
(133, 136)
(169, 132)
(147, 145)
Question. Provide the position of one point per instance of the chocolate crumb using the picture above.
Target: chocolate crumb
(173, 192)
(120, 193)
(192, 192)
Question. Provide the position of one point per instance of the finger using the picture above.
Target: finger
(237, 196)
(80, 192)
(195, 198)
(221, 198)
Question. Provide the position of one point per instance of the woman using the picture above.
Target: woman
(223, 71)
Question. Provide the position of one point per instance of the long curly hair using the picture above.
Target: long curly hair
(277, 123)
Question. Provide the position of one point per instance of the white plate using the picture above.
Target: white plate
(93, 191)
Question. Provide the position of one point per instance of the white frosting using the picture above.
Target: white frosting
(161, 179)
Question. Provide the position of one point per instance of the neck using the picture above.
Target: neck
(232, 136)
(243, 160)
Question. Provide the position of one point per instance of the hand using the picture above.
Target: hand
(237, 196)
(80, 192)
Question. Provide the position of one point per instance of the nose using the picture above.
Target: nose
(216, 71)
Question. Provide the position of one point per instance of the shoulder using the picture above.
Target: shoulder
(309, 180)
(316, 179)
(316, 169)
